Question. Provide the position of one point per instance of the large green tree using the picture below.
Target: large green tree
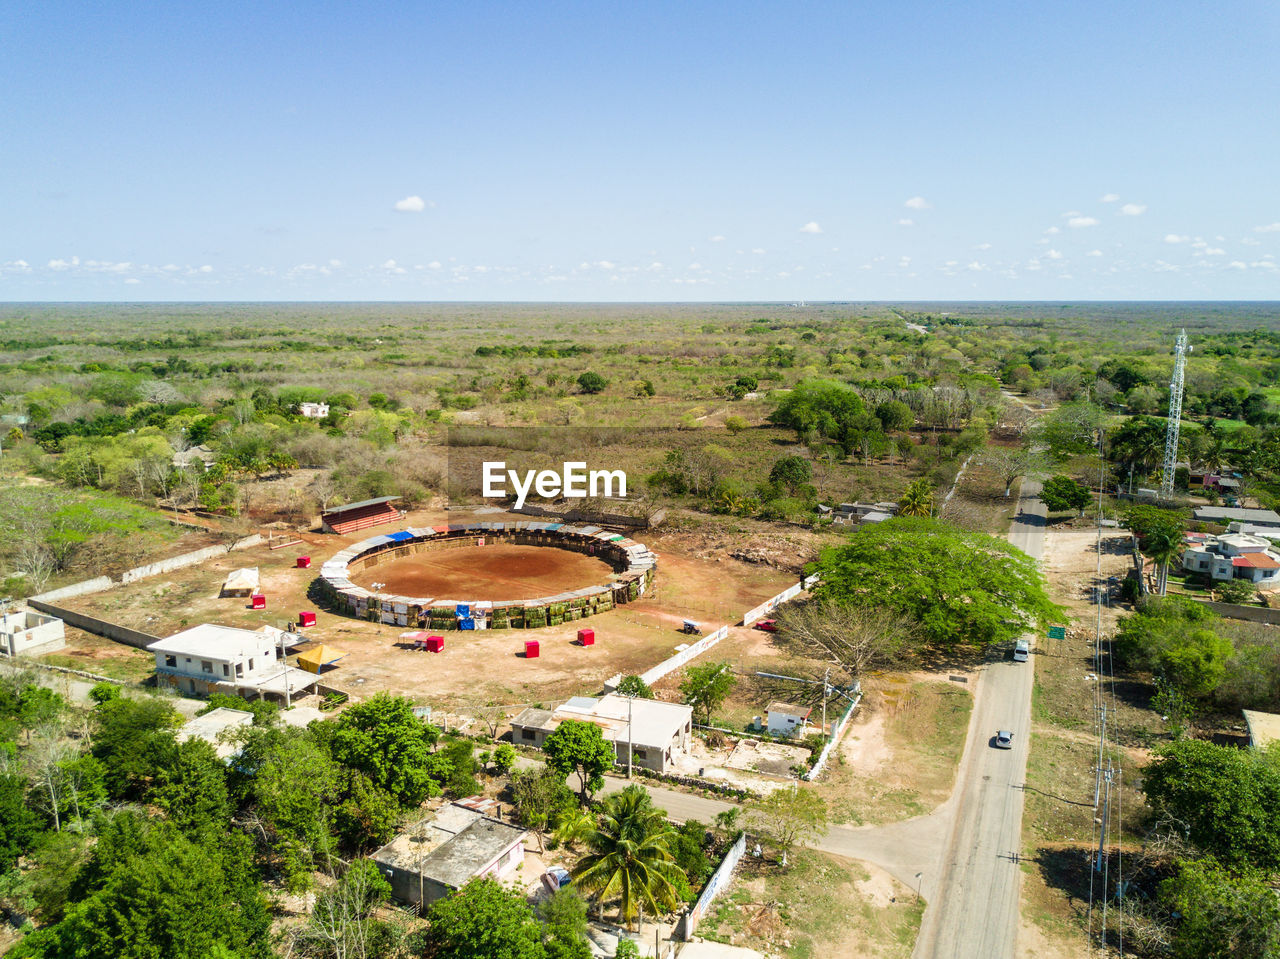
(579, 747)
(1222, 914)
(820, 407)
(957, 586)
(383, 739)
(706, 686)
(1227, 798)
(484, 920)
(131, 738)
(1061, 493)
(147, 891)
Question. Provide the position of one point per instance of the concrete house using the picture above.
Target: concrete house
(656, 732)
(29, 632)
(212, 725)
(784, 719)
(314, 411)
(440, 854)
(210, 658)
(1233, 556)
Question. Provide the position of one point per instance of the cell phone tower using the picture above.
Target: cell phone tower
(1180, 352)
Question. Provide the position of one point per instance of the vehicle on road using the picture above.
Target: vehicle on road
(1021, 650)
(767, 625)
(691, 628)
(1003, 740)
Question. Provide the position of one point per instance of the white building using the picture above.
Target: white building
(29, 632)
(1233, 556)
(784, 719)
(210, 658)
(654, 733)
(211, 726)
(314, 411)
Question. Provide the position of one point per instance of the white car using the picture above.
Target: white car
(1004, 739)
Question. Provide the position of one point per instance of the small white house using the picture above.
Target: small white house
(1233, 556)
(314, 411)
(785, 719)
(29, 632)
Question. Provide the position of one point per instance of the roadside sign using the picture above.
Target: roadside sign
(1057, 632)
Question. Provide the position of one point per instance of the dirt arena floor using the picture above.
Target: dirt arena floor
(499, 572)
(486, 666)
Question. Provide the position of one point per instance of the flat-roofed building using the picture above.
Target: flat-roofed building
(654, 731)
(210, 658)
(439, 854)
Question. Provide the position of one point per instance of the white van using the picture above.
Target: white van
(1021, 650)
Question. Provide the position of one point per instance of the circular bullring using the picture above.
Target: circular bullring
(517, 575)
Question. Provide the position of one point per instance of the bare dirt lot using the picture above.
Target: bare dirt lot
(497, 572)
(475, 668)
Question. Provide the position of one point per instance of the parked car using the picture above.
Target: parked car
(767, 625)
(1004, 739)
(557, 877)
(1021, 650)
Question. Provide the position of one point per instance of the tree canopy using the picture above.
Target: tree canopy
(706, 686)
(1228, 799)
(822, 407)
(579, 747)
(956, 585)
(1061, 493)
(382, 738)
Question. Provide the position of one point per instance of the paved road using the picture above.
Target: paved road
(973, 901)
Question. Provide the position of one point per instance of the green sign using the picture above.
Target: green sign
(1057, 632)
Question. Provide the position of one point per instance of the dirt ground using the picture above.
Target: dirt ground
(497, 572)
(1058, 815)
(475, 668)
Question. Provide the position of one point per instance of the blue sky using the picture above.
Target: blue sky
(656, 151)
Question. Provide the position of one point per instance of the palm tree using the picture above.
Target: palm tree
(630, 858)
(917, 500)
(1162, 545)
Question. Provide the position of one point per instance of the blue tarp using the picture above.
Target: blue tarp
(399, 537)
(463, 610)
(467, 623)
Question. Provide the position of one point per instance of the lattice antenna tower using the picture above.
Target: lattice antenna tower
(1180, 352)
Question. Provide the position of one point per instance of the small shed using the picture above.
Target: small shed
(784, 719)
(241, 582)
(362, 515)
(211, 728)
(30, 632)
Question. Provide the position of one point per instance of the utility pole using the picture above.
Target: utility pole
(630, 699)
(825, 690)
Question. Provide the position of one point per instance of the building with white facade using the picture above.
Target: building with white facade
(650, 731)
(1233, 556)
(314, 411)
(210, 658)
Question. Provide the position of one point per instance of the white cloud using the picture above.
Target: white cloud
(1268, 228)
(717, 238)
(132, 280)
(1094, 253)
(906, 221)
(1052, 230)
(984, 246)
(1079, 221)
(1214, 251)
(758, 251)
(976, 267)
(206, 268)
(1237, 265)
(606, 264)
(59, 265)
(1133, 209)
(1175, 238)
(917, 203)
(392, 267)
(1109, 197)
(434, 265)
(1054, 255)
(411, 204)
(335, 263)
(811, 227)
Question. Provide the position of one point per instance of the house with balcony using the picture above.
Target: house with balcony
(1233, 556)
(223, 659)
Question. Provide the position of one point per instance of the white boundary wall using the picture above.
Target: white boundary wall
(836, 733)
(651, 676)
(715, 885)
